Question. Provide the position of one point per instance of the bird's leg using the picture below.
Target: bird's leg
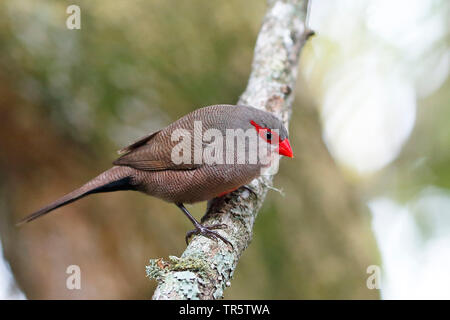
(206, 231)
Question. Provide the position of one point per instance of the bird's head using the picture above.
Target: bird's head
(272, 130)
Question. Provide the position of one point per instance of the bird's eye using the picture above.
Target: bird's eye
(268, 135)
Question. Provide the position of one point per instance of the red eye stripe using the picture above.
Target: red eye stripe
(257, 126)
(263, 132)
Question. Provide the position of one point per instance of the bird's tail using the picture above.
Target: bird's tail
(115, 179)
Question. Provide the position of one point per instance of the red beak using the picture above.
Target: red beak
(284, 148)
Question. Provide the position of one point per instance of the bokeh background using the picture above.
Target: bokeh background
(369, 184)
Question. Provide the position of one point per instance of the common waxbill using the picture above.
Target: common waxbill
(150, 165)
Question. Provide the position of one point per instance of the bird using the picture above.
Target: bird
(188, 161)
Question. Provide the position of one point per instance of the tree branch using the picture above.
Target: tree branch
(206, 267)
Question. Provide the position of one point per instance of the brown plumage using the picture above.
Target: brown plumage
(148, 165)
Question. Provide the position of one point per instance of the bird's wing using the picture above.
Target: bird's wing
(152, 153)
(137, 143)
(153, 164)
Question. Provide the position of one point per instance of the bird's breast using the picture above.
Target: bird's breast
(201, 184)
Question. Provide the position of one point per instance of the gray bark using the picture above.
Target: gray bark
(206, 267)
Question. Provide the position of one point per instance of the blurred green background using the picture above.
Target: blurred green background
(369, 184)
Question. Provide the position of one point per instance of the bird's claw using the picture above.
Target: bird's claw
(207, 231)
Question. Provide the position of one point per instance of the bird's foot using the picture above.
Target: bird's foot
(207, 231)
